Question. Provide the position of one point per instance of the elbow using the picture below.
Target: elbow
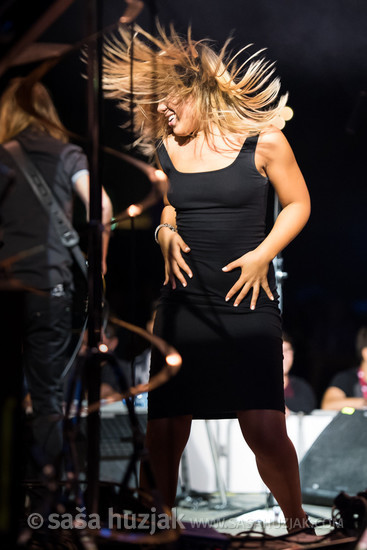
(331, 404)
(308, 208)
(306, 211)
(107, 210)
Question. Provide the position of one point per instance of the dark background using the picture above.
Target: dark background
(321, 52)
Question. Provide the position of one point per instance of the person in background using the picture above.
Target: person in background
(348, 388)
(28, 115)
(299, 395)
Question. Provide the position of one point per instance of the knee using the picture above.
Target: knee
(265, 443)
(263, 435)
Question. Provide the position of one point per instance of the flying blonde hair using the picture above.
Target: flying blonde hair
(236, 99)
(26, 103)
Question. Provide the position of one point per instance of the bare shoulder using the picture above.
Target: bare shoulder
(273, 145)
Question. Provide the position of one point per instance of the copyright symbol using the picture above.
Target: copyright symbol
(35, 521)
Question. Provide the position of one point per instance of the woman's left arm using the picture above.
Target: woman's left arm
(279, 163)
(283, 172)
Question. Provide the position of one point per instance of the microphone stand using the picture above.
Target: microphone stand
(280, 275)
(95, 357)
(94, 100)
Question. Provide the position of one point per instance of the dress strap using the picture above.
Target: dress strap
(164, 157)
(251, 143)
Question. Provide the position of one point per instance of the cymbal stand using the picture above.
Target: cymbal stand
(280, 275)
(93, 10)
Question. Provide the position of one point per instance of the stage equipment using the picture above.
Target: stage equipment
(280, 275)
(337, 459)
(94, 357)
(345, 529)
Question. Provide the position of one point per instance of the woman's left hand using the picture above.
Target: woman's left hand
(254, 274)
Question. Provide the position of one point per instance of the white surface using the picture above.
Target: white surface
(237, 462)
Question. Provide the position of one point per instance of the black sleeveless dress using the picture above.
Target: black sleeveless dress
(232, 356)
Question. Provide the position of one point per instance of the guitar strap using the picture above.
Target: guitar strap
(66, 232)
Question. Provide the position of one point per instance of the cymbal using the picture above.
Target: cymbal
(12, 284)
(39, 51)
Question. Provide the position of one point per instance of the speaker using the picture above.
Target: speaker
(337, 460)
(116, 442)
(116, 445)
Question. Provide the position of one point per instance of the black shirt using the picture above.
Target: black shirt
(348, 381)
(24, 222)
(299, 395)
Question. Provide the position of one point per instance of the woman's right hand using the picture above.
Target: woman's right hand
(172, 246)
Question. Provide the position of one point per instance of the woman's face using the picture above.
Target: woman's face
(180, 115)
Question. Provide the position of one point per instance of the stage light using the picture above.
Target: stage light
(160, 175)
(103, 348)
(173, 359)
(287, 113)
(284, 116)
(134, 210)
(279, 122)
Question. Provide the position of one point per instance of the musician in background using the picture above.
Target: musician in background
(28, 115)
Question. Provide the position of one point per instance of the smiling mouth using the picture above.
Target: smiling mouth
(171, 119)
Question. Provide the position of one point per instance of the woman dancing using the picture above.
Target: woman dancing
(211, 124)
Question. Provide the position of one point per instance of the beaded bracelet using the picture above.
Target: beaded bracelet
(160, 227)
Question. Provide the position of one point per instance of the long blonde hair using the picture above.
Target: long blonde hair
(236, 99)
(24, 104)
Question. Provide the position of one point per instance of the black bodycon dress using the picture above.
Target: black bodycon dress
(232, 356)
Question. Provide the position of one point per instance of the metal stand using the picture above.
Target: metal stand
(77, 386)
(280, 275)
(93, 10)
(220, 483)
(188, 500)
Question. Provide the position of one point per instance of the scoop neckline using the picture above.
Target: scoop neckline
(206, 171)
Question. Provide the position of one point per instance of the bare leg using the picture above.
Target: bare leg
(266, 434)
(166, 439)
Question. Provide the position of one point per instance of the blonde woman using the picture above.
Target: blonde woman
(211, 123)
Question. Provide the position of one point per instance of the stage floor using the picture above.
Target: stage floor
(206, 516)
(243, 511)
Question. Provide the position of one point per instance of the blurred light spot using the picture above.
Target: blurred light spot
(279, 122)
(287, 113)
(173, 359)
(134, 210)
(103, 348)
(160, 175)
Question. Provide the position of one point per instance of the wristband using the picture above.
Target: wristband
(160, 227)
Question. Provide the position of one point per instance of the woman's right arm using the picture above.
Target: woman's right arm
(172, 247)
